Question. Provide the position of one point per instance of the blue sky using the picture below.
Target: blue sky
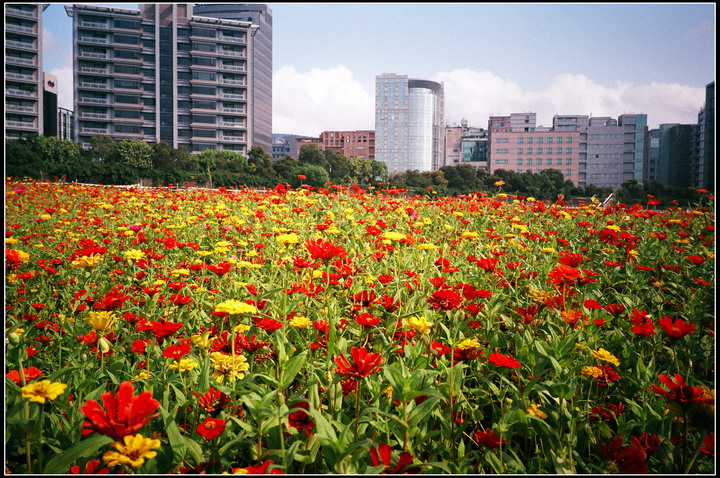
(493, 59)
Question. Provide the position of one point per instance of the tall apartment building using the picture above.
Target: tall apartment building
(350, 143)
(409, 123)
(517, 144)
(161, 74)
(260, 90)
(650, 172)
(50, 105)
(703, 166)
(23, 70)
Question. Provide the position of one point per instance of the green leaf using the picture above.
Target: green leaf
(290, 369)
(173, 432)
(62, 463)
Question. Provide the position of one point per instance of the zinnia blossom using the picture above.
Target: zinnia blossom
(325, 250)
(677, 329)
(503, 360)
(445, 299)
(211, 428)
(300, 420)
(488, 438)
(230, 366)
(419, 324)
(535, 411)
(628, 459)
(384, 452)
(134, 451)
(183, 365)
(124, 412)
(101, 321)
(87, 262)
(684, 395)
(364, 363)
(30, 374)
(40, 391)
(235, 307)
(604, 355)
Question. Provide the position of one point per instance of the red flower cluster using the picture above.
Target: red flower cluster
(488, 438)
(211, 428)
(623, 459)
(503, 360)
(364, 363)
(445, 299)
(384, 453)
(682, 394)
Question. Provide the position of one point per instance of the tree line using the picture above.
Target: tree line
(130, 160)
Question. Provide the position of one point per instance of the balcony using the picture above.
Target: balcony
(232, 39)
(91, 54)
(93, 130)
(96, 40)
(102, 26)
(14, 92)
(19, 29)
(20, 44)
(233, 82)
(227, 124)
(94, 116)
(230, 96)
(235, 53)
(233, 139)
(20, 13)
(20, 124)
(96, 71)
(19, 108)
(16, 60)
(95, 101)
(234, 110)
(19, 76)
(232, 68)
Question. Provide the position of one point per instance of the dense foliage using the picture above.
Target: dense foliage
(341, 330)
(131, 161)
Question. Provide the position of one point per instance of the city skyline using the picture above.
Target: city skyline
(593, 59)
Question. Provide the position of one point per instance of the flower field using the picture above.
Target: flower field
(338, 330)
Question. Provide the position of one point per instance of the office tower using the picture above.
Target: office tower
(23, 70)
(65, 124)
(466, 145)
(409, 123)
(650, 172)
(50, 105)
(704, 167)
(160, 74)
(260, 63)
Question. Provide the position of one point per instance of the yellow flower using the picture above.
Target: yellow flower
(469, 235)
(535, 411)
(87, 262)
(180, 272)
(46, 217)
(300, 322)
(203, 341)
(499, 183)
(11, 241)
(394, 236)
(228, 366)
(604, 355)
(235, 307)
(291, 238)
(134, 255)
(101, 321)
(133, 452)
(241, 328)
(419, 324)
(427, 247)
(592, 372)
(184, 365)
(39, 391)
(468, 344)
(548, 250)
(142, 375)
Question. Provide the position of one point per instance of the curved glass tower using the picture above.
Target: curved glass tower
(409, 123)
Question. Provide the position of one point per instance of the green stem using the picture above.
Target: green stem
(357, 406)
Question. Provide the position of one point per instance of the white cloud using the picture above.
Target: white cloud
(478, 95)
(320, 100)
(65, 86)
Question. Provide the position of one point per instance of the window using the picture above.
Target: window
(549, 140)
(538, 151)
(520, 151)
(502, 140)
(127, 39)
(568, 161)
(202, 61)
(539, 140)
(501, 150)
(205, 105)
(529, 161)
(568, 172)
(559, 139)
(203, 47)
(133, 100)
(548, 161)
(148, 43)
(529, 140)
(128, 69)
(548, 151)
(146, 73)
(149, 101)
(558, 161)
(520, 140)
(502, 161)
(568, 139)
(203, 32)
(520, 161)
(128, 85)
(568, 150)
(203, 119)
(127, 25)
(127, 128)
(205, 133)
(204, 90)
(127, 54)
(127, 114)
(201, 75)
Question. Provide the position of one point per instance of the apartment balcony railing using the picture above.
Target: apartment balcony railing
(233, 110)
(19, 61)
(20, 108)
(97, 71)
(19, 28)
(99, 41)
(233, 82)
(20, 44)
(235, 53)
(233, 139)
(94, 130)
(96, 101)
(94, 116)
(230, 96)
(19, 76)
(20, 13)
(94, 25)
(14, 92)
(20, 124)
(232, 39)
(91, 54)
(232, 68)
(232, 124)
(96, 86)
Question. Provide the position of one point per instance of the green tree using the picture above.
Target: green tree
(311, 154)
(21, 160)
(262, 164)
(285, 168)
(135, 153)
(162, 157)
(314, 175)
(102, 149)
(338, 167)
(461, 179)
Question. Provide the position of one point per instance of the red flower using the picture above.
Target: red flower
(503, 360)
(364, 363)
(91, 467)
(250, 345)
(614, 309)
(628, 459)
(697, 260)
(678, 329)
(262, 468)
(300, 419)
(212, 401)
(650, 443)
(709, 445)
(680, 393)
(488, 438)
(609, 375)
(177, 351)
(367, 320)
(642, 323)
(30, 374)
(268, 325)
(445, 299)
(571, 259)
(384, 453)
(487, 264)
(211, 428)
(325, 250)
(138, 346)
(124, 412)
(606, 413)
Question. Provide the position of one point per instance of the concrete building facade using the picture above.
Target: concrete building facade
(24, 79)
(359, 143)
(160, 74)
(409, 123)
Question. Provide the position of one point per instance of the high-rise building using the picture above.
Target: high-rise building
(23, 70)
(65, 124)
(703, 169)
(466, 145)
(161, 74)
(409, 123)
(50, 105)
(260, 63)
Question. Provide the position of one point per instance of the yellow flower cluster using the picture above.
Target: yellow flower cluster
(605, 356)
(228, 366)
(235, 307)
(87, 262)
